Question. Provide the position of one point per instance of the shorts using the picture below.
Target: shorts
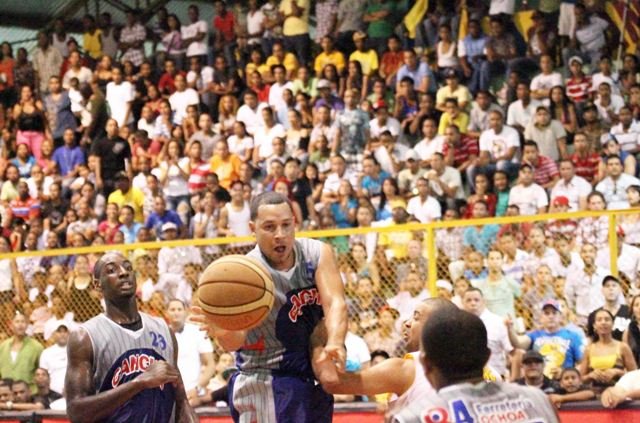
(265, 398)
(567, 20)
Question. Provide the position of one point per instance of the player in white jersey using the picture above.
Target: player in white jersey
(453, 354)
(408, 382)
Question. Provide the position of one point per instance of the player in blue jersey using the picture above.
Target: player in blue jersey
(122, 364)
(275, 381)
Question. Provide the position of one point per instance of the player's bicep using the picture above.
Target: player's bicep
(79, 380)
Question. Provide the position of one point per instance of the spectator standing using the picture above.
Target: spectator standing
(353, 131)
(194, 35)
(196, 362)
(127, 195)
(499, 291)
(132, 37)
(112, 155)
(59, 115)
(295, 27)
(471, 52)
(46, 63)
(120, 95)
(53, 359)
(611, 299)
(20, 353)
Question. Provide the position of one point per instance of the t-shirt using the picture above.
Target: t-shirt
(118, 98)
(368, 60)
(562, 349)
(113, 153)
(528, 199)
(191, 343)
(294, 25)
(196, 48)
(498, 144)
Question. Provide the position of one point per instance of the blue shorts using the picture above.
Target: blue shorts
(265, 398)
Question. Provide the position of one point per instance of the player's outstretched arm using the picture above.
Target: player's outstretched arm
(334, 306)
(83, 404)
(228, 340)
(184, 411)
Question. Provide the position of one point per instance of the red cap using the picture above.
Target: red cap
(561, 201)
(380, 104)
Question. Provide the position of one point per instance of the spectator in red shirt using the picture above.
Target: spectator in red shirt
(579, 84)
(225, 32)
(484, 194)
(460, 151)
(585, 160)
(256, 83)
(23, 207)
(391, 60)
(143, 147)
(167, 84)
(545, 170)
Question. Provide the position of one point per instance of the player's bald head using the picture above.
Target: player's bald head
(109, 257)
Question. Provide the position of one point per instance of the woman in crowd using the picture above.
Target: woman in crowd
(344, 210)
(594, 230)
(563, 110)
(227, 109)
(484, 193)
(631, 336)
(630, 223)
(30, 118)
(389, 198)
(605, 360)
(174, 174)
(84, 298)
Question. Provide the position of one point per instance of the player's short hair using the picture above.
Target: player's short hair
(269, 198)
(455, 342)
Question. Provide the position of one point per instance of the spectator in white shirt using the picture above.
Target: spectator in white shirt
(573, 187)
(54, 358)
(542, 83)
(181, 99)
(444, 181)
(608, 104)
(498, 148)
(383, 122)
(195, 351)
(530, 197)
(194, 35)
(615, 184)
(521, 111)
(263, 137)
(497, 335)
(431, 143)
(250, 113)
(120, 95)
(423, 206)
(279, 85)
(627, 131)
(76, 70)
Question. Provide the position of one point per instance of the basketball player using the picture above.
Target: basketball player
(453, 354)
(122, 364)
(408, 381)
(276, 382)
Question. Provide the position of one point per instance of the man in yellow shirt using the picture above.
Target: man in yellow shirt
(453, 115)
(225, 164)
(127, 195)
(368, 58)
(279, 57)
(453, 89)
(295, 28)
(329, 56)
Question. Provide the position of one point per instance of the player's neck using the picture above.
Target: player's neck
(124, 311)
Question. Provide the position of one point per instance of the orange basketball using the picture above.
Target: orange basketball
(236, 292)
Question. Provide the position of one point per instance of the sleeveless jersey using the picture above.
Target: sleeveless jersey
(120, 355)
(280, 345)
(482, 402)
(418, 389)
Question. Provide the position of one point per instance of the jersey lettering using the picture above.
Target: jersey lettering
(460, 412)
(136, 363)
(303, 298)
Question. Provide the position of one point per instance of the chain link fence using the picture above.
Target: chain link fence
(517, 262)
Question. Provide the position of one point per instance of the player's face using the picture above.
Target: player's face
(117, 277)
(176, 312)
(275, 231)
(414, 326)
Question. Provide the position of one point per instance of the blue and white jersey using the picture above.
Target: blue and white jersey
(121, 355)
(280, 345)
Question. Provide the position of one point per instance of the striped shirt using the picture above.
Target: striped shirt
(587, 166)
(468, 146)
(578, 89)
(545, 170)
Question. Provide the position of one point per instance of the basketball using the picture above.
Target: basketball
(236, 292)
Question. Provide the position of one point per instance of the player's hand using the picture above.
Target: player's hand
(335, 353)
(612, 397)
(159, 373)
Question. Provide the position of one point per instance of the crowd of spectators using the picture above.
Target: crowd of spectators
(165, 130)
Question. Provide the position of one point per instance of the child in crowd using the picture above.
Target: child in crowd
(571, 388)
